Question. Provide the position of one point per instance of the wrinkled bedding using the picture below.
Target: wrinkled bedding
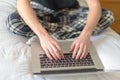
(15, 54)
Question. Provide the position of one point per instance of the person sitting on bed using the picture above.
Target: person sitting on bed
(63, 19)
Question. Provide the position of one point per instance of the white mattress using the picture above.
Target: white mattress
(15, 55)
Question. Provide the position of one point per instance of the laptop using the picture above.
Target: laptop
(41, 65)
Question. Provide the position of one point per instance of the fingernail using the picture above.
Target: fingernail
(63, 57)
(81, 57)
(56, 59)
(73, 57)
(51, 59)
(59, 57)
(85, 56)
(76, 58)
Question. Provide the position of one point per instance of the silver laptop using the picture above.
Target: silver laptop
(43, 66)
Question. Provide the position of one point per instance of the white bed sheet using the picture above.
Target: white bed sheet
(15, 55)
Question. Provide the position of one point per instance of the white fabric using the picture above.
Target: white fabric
(108, 47)
(15, 55)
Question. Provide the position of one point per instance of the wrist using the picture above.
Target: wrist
(42, 34)
(86, 34)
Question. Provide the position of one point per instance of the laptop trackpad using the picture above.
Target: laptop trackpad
(65, 45)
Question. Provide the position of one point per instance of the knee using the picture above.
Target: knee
(13, 21)
(16, 24)
(108, 15)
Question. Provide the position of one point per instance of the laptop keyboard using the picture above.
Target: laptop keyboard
(67, 62)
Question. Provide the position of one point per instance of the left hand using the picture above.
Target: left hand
(80, 47)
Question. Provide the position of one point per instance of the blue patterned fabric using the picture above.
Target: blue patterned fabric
(62, 24)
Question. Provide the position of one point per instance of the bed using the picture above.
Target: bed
(15, 54)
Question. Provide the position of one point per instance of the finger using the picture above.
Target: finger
(56, 51)
(52, 53)
(62, 55)
(84, 52)
(80, 51)
(60, 51)
(48, 54)
(72, 47)
(75, 51)
(79, 54)
(87, 52)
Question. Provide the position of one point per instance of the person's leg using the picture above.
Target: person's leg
(18, 26)
(78, 20)
(106, 20)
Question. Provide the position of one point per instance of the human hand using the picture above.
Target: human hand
(80, 47)
(51, 48)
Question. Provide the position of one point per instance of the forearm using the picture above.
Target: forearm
(92, 19)
(27, 13)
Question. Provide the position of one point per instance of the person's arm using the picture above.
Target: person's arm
(93, 16)
(29, 16)
(81, 45)
(48, 44)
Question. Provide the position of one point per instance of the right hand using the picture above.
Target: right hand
(51, 48)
